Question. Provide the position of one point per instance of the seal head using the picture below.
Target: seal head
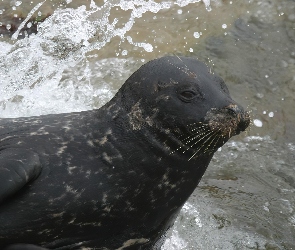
(185, 99)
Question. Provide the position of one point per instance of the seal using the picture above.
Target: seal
(115, 177)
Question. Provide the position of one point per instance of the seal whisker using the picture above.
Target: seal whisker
(202, 146)
(214, 135)
(192, 138)
(215, 145)
(229, 132)
(185, 70)
(192, 130)
(200, 139)
(250, 115)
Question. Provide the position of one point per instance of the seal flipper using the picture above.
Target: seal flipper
(17, 168)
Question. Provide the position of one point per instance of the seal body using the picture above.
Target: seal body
(116, 177)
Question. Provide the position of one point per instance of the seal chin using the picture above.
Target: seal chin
(228, 121)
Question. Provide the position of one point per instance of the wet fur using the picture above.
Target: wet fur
(116, 177)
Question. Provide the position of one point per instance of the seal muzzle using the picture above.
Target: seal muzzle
(228, 121)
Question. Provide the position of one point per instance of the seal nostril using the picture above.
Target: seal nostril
(234, 109)
(242, 126)
(243, 118)
(244, 121)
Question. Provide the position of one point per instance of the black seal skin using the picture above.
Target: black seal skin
(116, 177)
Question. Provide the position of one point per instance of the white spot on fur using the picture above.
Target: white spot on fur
(45, 231)
(90, 143)
(104, 139)
(104, 198)
(61, 150)
(70, 190)
(107, 209)
(135, 117)
(133, 242)
(6, 138)
(58, 215)
(40, 133)
(70, 169)
(72, 221)
(57, 199)
(166, 183)
(88, 173)
(106, 157)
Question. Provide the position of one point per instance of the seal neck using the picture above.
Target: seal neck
(142, 150)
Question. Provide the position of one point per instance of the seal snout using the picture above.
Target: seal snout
(244, 121)
(228, 121)
(243, 117)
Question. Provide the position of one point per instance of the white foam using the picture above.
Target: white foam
(50, 73)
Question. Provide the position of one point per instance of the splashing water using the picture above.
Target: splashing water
(35, 71)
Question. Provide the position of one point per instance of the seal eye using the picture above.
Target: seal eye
(187, 95)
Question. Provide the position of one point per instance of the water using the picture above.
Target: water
(85, 51)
